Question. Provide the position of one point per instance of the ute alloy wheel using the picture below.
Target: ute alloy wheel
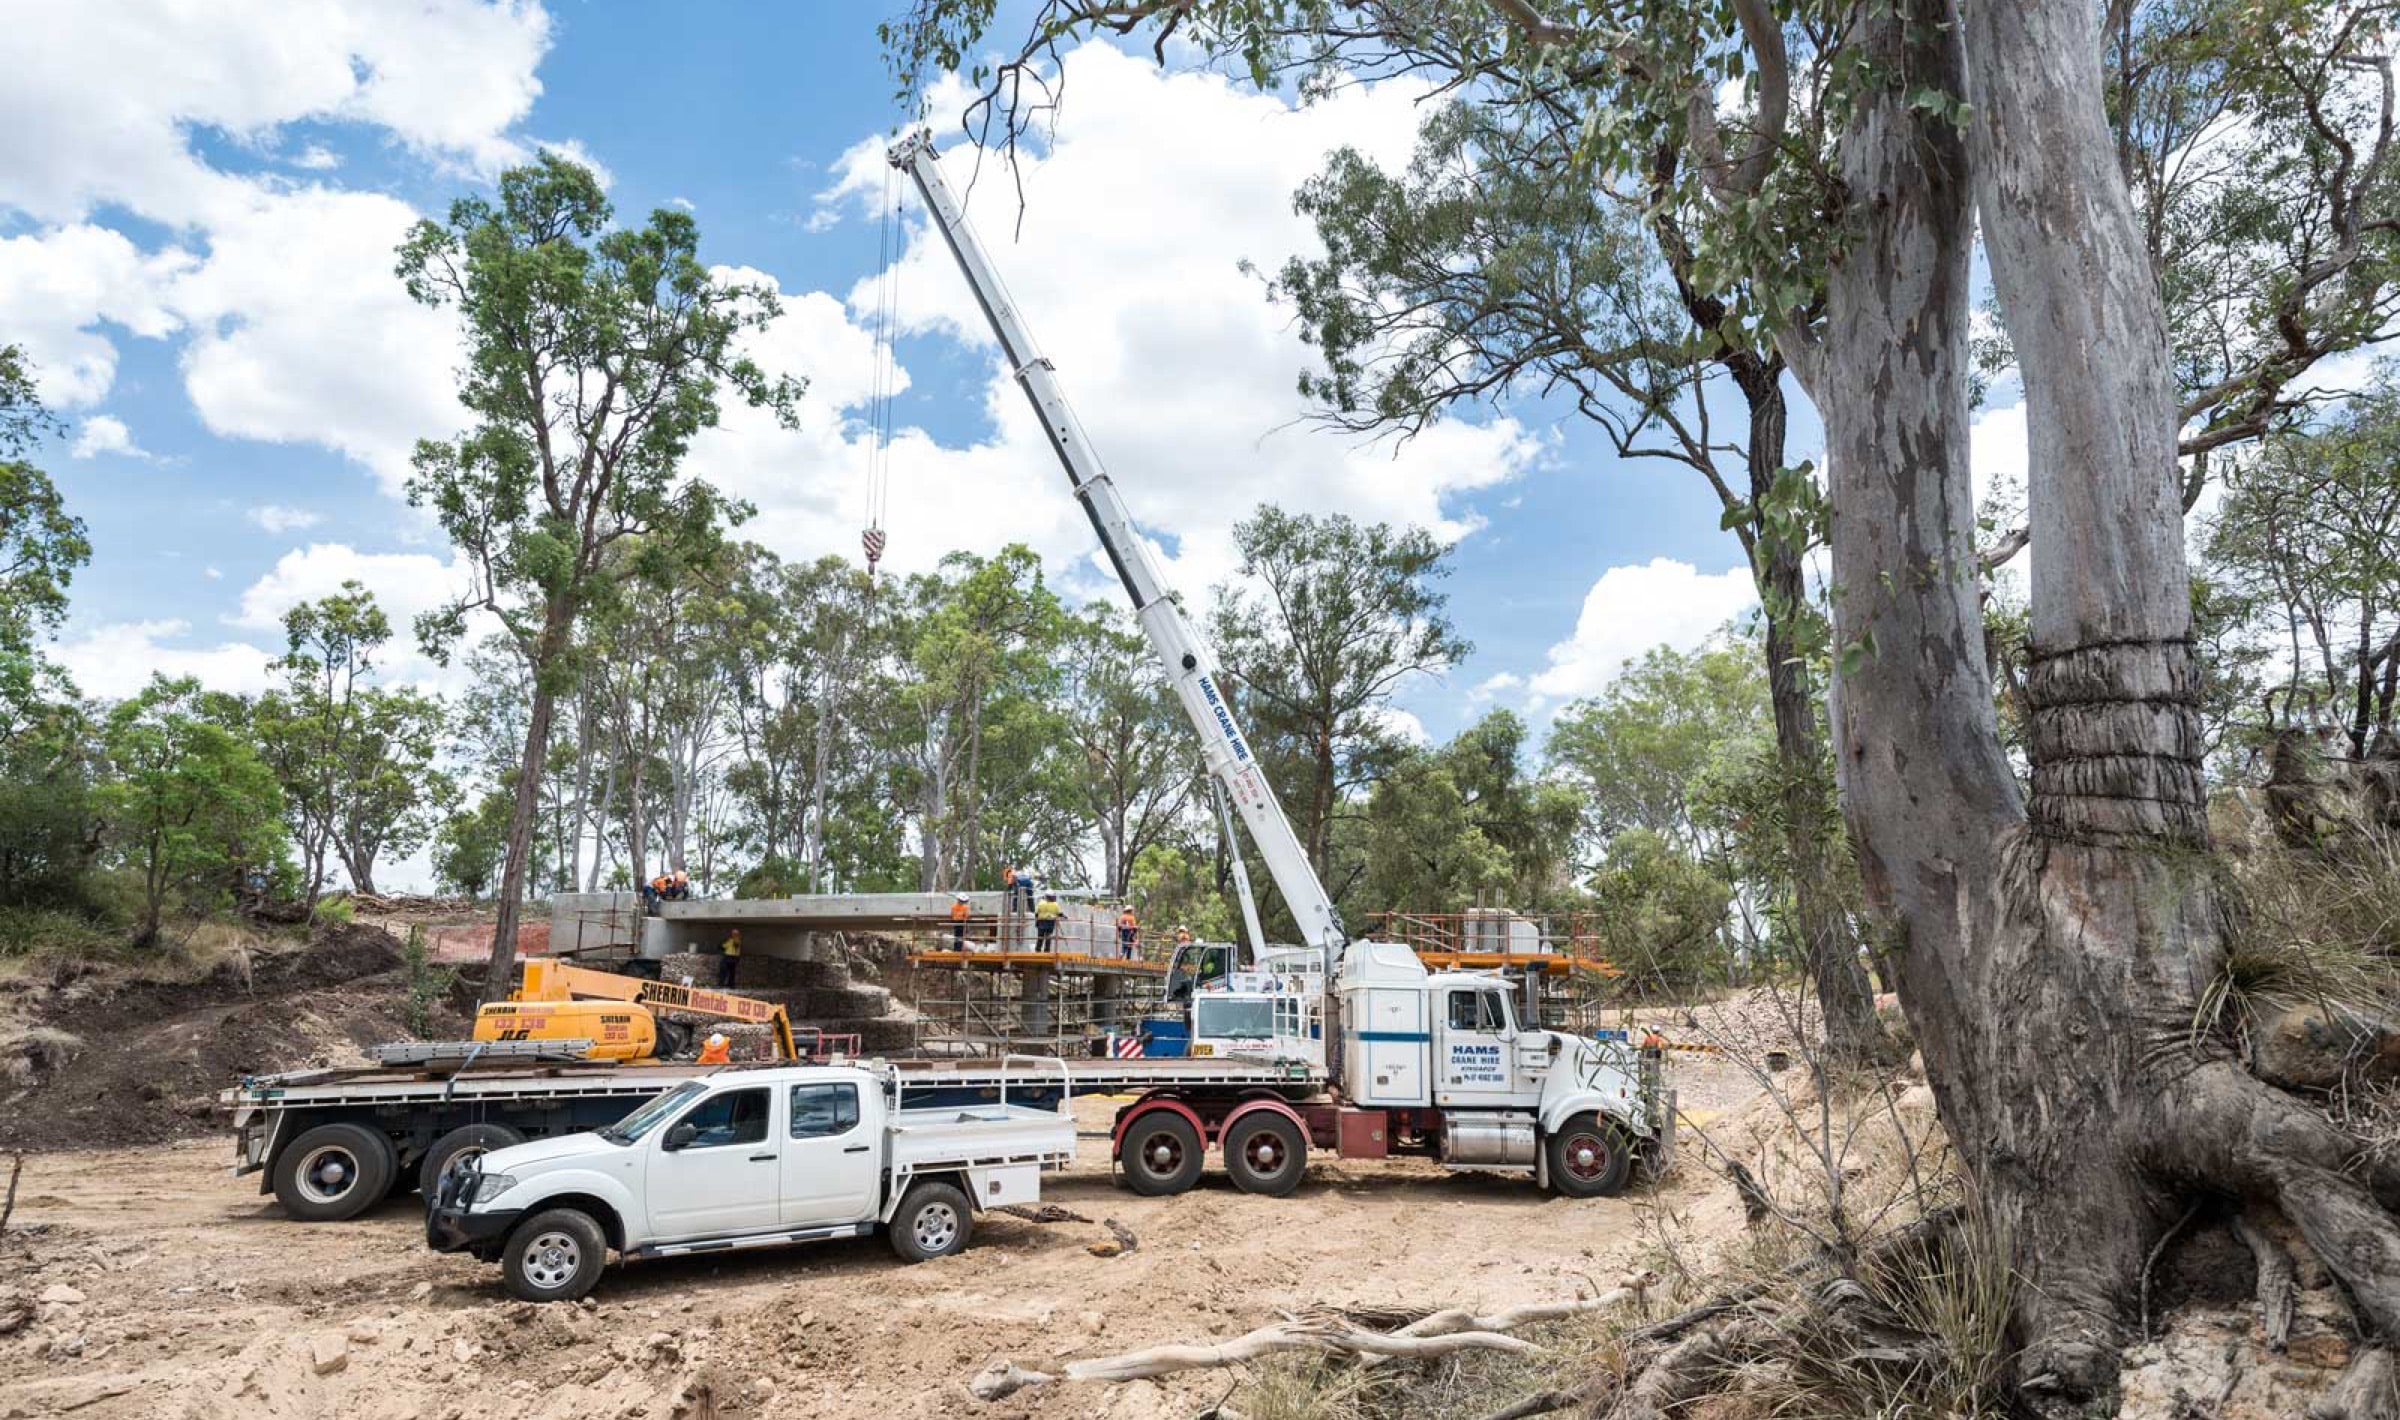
(933, 1220)
(554, 1256)
(1161, 1154)
(1589, 1158)
(1265, 1153)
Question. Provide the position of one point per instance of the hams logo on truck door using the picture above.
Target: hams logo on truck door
(1477, 1062)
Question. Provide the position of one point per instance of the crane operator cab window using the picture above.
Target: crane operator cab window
(1484, 1012)
(734, 1117)
(823, 1111)
(1195, 965)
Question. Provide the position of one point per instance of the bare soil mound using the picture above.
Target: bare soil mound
(139, 1062)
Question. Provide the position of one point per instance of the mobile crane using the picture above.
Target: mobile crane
(1434, 1064)
(1189, 666)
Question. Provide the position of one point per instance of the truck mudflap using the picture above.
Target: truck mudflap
(1660, 1156)
(256, 1132)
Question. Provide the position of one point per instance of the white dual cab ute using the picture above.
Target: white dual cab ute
(749, 1157)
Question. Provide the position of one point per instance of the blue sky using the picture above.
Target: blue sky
(197, 206)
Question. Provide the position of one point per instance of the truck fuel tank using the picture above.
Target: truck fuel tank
(1488, 1139)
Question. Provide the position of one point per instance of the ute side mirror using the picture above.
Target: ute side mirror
(679, 1137)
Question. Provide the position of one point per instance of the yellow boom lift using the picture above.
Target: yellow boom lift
(556, 1001)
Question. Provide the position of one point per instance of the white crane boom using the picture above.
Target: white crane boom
(1190, 668)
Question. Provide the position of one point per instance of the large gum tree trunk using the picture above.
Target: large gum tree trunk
(2050, 953)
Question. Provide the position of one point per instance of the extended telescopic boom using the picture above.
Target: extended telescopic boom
(1189, 666)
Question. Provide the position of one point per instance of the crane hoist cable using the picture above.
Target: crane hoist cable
(884, 379)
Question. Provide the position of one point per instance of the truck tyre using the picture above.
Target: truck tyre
(933, 1220)
(1264, 1153)
(1589, 1158)
(554, 1256)
(468, 1141)
(1161, 1154)
(334, 1171)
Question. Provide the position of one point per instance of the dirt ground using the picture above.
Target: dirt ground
(147, 1283)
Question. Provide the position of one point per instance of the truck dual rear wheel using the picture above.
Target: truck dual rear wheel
(933, 1220)
(1264, 1153)
(1589, 1158)
(468, 1141)
(554, 1256)
(1161, 1154)
(333, 1172)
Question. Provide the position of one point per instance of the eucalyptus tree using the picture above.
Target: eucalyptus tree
(2052, 946)
(355, 759)
(1124, 750)
(2310, 529)
(1489, 266)
(595, 353)
(1326, 619)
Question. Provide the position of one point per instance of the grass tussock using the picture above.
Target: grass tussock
(1924, 1336)
(2308, 929)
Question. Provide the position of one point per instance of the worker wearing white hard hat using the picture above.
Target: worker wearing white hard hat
(718, 1051)
(958, 922)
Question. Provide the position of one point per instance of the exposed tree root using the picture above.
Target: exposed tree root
(2277, 1283)
(2369, 1390)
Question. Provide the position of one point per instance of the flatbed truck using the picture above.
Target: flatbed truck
(1437, 1063)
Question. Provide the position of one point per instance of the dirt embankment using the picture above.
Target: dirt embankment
(100, 1060)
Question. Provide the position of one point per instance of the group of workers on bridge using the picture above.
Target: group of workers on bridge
(1019, 893)
(666, 887)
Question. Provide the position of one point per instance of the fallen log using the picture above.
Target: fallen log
(1438, 1334)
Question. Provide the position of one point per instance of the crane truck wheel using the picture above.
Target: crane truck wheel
(554, 1256)
(1161, 1154)
(1265, 1154)
(933, 1220)
(468, 1141)
(1589, 1158)
(333, 1172)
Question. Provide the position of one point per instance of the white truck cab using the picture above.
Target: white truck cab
(748, 1157)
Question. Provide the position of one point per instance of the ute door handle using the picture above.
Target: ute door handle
(857, 1149)
(762, 1158)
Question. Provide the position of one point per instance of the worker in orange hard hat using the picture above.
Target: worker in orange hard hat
(718, 1051)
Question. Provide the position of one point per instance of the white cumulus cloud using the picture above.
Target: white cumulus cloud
(106, 434)
(278, 519)
(118, 659)
(1127, 266)
(1633, 608)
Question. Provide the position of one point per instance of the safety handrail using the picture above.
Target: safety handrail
(1066, 1079)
